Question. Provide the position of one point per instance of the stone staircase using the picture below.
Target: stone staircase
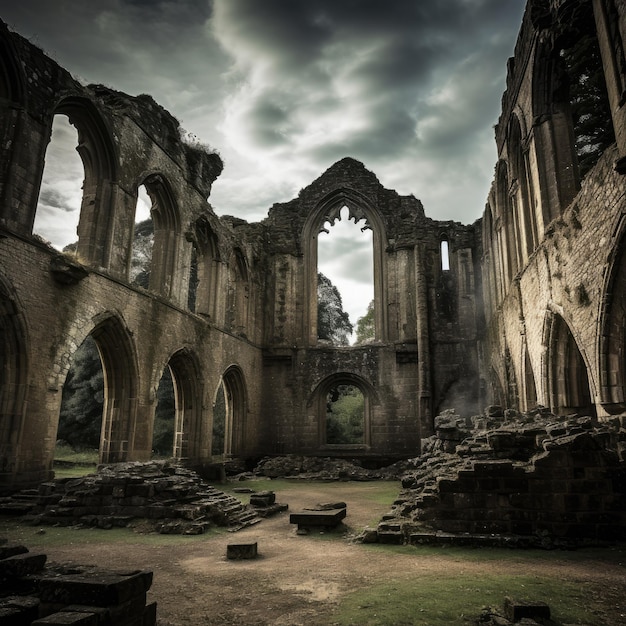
(170, 498)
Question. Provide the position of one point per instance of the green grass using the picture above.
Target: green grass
(75, 471)
(442, 600)
(69, 455)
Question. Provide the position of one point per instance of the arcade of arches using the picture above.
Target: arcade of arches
(526, 306)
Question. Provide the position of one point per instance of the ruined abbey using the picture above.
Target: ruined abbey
(528, 308)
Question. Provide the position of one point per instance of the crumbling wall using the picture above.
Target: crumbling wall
(510, 479)
(52, 301)
(552, 234)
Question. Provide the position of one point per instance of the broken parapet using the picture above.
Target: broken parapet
(33, 593)
(526, 480)
(173, 499)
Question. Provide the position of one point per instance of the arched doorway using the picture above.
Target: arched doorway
(120, 389)
(342, 406)
(568, 382)
(82, 401)
(229, 414)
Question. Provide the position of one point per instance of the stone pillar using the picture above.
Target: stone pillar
(423, 347)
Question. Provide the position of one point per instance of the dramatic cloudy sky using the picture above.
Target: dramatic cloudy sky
(284, 88)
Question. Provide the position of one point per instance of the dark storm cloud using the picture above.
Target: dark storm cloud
(389, 83)
(56, 200)
(283, 88)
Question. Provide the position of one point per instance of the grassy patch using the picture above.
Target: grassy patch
(458, 599)
(73, 471)
(67, 454)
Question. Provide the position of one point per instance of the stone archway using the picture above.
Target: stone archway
(328, 209)
(319, 405)
(187, 393)
(568, 381)
(120, 389)
(235, 406)
(95, 148)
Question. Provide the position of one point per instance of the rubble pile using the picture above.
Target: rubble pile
(173, 500)
(513, 479)
(33, 592)
(324, 468)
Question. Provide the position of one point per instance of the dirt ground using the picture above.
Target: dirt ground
(297, 579)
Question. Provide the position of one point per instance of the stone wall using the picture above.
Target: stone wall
(530, 310)
(252, 329)
(531, 480)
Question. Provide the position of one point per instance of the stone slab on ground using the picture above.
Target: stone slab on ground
(238, 551)
(324, 519)
(516, 610)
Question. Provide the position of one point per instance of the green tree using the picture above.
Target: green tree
(591, 112)
(365, 325)
(344, 415)
(333, 323)
(164, 417)
(80, 418)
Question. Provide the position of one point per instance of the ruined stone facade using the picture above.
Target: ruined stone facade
(529, 311)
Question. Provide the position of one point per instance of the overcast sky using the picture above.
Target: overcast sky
(284, 88)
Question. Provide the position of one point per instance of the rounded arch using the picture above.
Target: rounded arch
(328, 209)
(565, 371)
(119, 364)
(13, 379)
(166, 223)
(612, 327)
(98, 154)
(318, 403)
(236, 405)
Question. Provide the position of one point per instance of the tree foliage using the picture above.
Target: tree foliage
(365, 330)
(333, 323)
(164, 417)
(345, 408)
(80, 419)
(591, 112)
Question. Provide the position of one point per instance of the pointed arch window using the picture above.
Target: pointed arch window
(328, 210)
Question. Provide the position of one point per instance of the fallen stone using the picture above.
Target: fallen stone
(237, 551)
(516, 610)
(324, 519)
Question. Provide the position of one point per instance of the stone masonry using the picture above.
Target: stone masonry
(530, 310)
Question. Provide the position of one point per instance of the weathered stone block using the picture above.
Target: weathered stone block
(516, 610)
(97, 589)
(235, 551)
(325, 519)
(21, 564)
(66, 618)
